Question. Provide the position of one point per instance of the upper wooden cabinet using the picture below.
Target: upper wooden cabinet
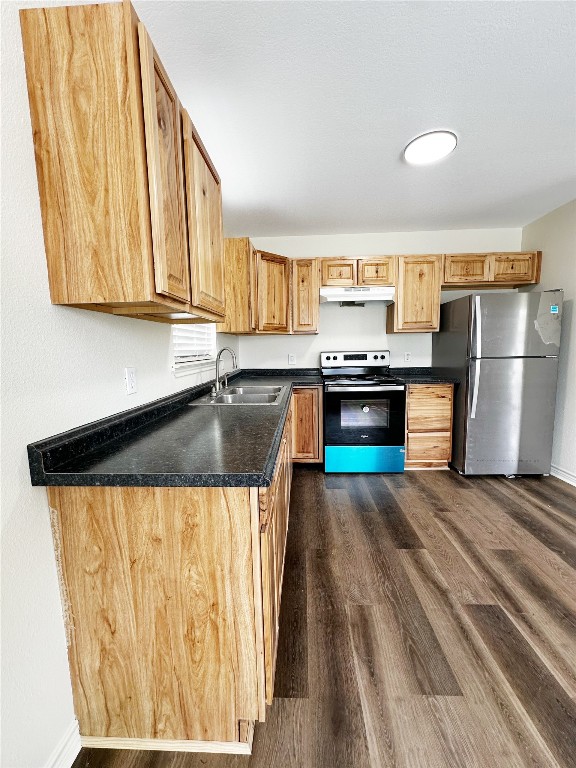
(165, 181)
(108, 144)
(466, 268)
(305, 291)
(204, 200)
(378, 271)
(273, 275)
(267, 293)
(339, 272)
(417, 304)
(484, 268)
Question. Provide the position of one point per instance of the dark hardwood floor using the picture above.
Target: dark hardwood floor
(428, 621)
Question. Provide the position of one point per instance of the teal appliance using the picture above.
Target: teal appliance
(364, 413)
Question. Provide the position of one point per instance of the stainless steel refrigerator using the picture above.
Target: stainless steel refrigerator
(503, 348)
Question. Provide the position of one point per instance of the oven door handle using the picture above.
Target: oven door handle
(390, 388)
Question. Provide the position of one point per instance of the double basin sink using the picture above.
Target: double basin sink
(243, 396)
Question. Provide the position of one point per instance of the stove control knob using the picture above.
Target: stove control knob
(365, 408)
(382, 357)
(375, 357)
(335, 357)
(328, 357)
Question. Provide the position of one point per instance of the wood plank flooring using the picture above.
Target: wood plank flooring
(428, 621)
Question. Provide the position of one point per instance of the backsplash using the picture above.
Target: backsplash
(340, 328)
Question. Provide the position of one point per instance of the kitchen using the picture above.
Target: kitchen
(63, 368)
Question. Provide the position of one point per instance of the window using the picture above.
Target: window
(193, 347)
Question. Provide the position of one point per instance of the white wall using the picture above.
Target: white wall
(355, 327)
(555, 235)
(61, 367)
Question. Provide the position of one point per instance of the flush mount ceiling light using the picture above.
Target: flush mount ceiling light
(430, 147)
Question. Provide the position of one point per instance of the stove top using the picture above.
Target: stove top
(358, 369)
(360, 379)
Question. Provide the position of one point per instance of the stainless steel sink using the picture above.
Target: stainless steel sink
(243, 396)
(253, 390)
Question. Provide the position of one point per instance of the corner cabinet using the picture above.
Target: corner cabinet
(417, 304)
(108, 143)
(171, 598)
(268, 293)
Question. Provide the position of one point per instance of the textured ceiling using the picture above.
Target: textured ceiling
(305, 108)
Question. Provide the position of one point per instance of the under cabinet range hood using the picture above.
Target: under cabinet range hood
(357, 294)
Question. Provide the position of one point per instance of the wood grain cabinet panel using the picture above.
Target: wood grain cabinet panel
(274, 506)
(108, 144)
(305, 295)
(429, 447)
(463, 268)
(307, 424)
(339, 272)
(165, 179)
(273, 293)
(417, 304)
(429, 408)
(239, 287)
(378, 271)
(204, 205)
(429, 425)
(516, 267)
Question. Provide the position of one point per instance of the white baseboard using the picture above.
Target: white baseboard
(563, 474)
(66, 751)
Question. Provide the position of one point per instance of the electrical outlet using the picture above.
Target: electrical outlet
(291, 359)
(130, 380)
(407, 357)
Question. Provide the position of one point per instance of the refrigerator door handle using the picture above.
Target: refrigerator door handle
(475, 389)
(478, 326)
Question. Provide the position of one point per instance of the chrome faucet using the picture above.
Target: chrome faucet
(216, 387)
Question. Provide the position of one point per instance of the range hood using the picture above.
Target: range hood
(358, 294)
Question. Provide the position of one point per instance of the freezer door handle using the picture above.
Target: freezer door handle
(478, 317)
(475, 388)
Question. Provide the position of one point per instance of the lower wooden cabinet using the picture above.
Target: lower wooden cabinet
(274, 507)
(171, 599)
(307, 424)
(429, 425)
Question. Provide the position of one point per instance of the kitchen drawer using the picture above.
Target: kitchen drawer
(429, 407)
(429, 446)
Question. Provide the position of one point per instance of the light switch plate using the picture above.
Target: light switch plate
(291, 359)
(407, 357)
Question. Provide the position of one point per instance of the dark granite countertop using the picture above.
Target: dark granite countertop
(172, 443)
(422, 376)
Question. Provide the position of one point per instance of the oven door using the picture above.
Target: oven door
(358, 416)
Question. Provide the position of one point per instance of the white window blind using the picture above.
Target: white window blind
(194, 347)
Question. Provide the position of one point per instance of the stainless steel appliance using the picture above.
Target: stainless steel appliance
(503, 348)
(364, 413)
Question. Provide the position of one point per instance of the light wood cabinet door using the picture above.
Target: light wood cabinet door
(429, 425)
(417, 305)
(273, 275)
(204, 205)
(274, 507)
(305, 295)
(463, 268)
(379, 271)
(307, 424)
(339, 272)
(510, 268)
(429, 408)
(165, 179)
(239, 286)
